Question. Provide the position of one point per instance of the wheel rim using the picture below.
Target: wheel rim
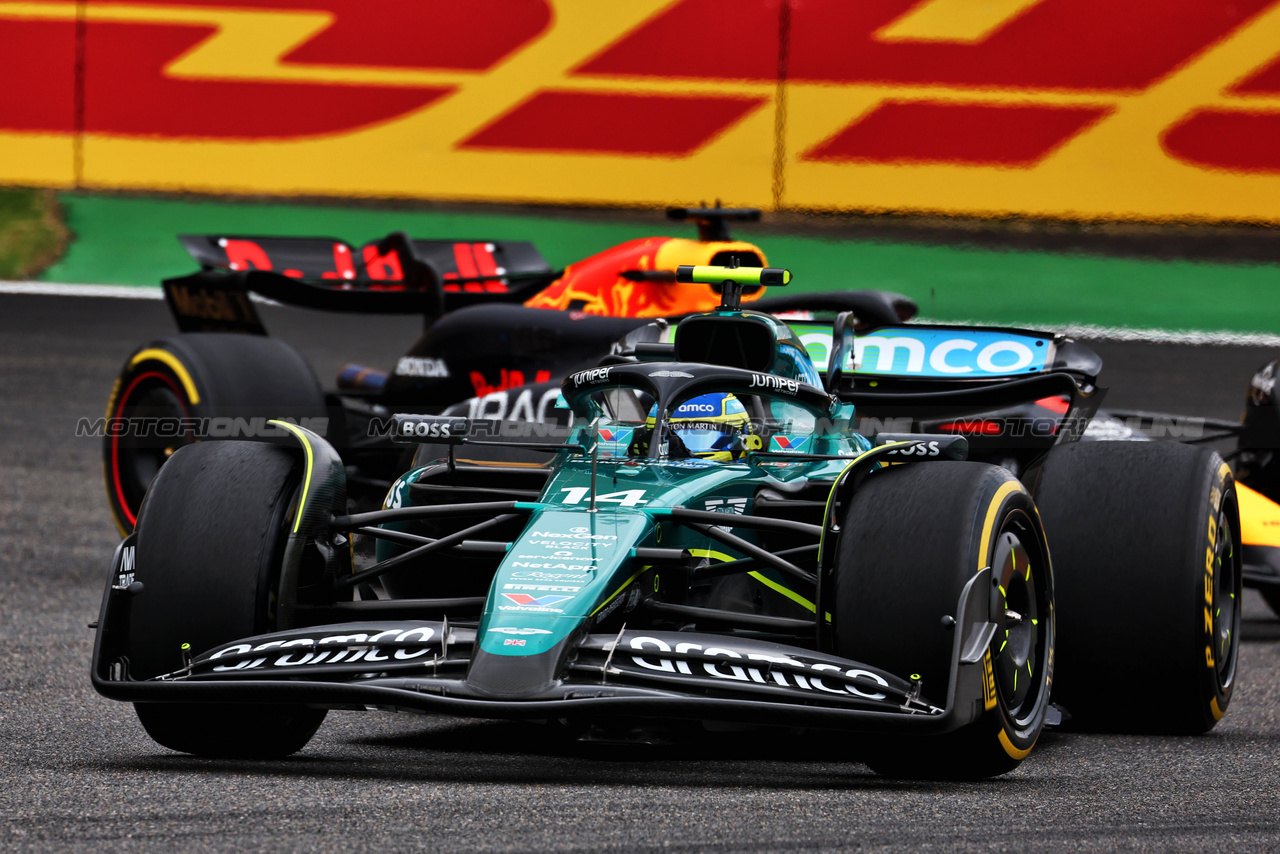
(135, 458)
(1225, 606)
(1021, 610)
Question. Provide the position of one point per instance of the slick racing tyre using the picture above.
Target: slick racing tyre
(913, 537)
(210, 544)
(1145, 541)
(179, 390)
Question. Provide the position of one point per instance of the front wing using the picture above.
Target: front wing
(431, 667)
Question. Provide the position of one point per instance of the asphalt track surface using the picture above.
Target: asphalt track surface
(78, 773)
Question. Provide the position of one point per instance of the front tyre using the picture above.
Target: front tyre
(913, 537)
(210, 544)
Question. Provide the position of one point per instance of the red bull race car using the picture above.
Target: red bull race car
(496, 317)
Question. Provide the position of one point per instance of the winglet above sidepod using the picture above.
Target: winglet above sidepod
(938, 446)
(425, 429)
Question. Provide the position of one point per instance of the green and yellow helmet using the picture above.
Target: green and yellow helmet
(711, 426)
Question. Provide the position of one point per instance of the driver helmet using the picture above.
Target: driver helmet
(712, 426)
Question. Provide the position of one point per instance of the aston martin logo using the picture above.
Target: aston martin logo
(733, 506)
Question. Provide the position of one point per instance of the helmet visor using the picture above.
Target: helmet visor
(704, 437)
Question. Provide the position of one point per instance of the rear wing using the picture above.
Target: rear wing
(394, 275)
(938, 376)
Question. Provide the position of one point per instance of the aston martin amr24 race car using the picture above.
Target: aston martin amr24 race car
(711, 540)
(496, 316)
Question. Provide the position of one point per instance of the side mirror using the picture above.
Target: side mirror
(842, 347)
(654, 351)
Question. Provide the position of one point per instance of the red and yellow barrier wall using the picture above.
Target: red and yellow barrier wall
(1146, 109)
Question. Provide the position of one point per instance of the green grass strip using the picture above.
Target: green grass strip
(31, 234)
(1041, 288)
(123, 240)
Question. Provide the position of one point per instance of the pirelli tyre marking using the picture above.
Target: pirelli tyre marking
(1016, 667)
(1220, 605)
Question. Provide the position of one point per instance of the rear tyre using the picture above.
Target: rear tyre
(1145, 540)
(913, 538)
(196, 375)
(210, 543)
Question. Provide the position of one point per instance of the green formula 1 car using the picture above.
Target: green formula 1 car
(709, 540)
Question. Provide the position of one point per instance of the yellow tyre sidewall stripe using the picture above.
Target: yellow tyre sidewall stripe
(1009, 748)
(993, 510)
(173, 363)
(988, 526)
